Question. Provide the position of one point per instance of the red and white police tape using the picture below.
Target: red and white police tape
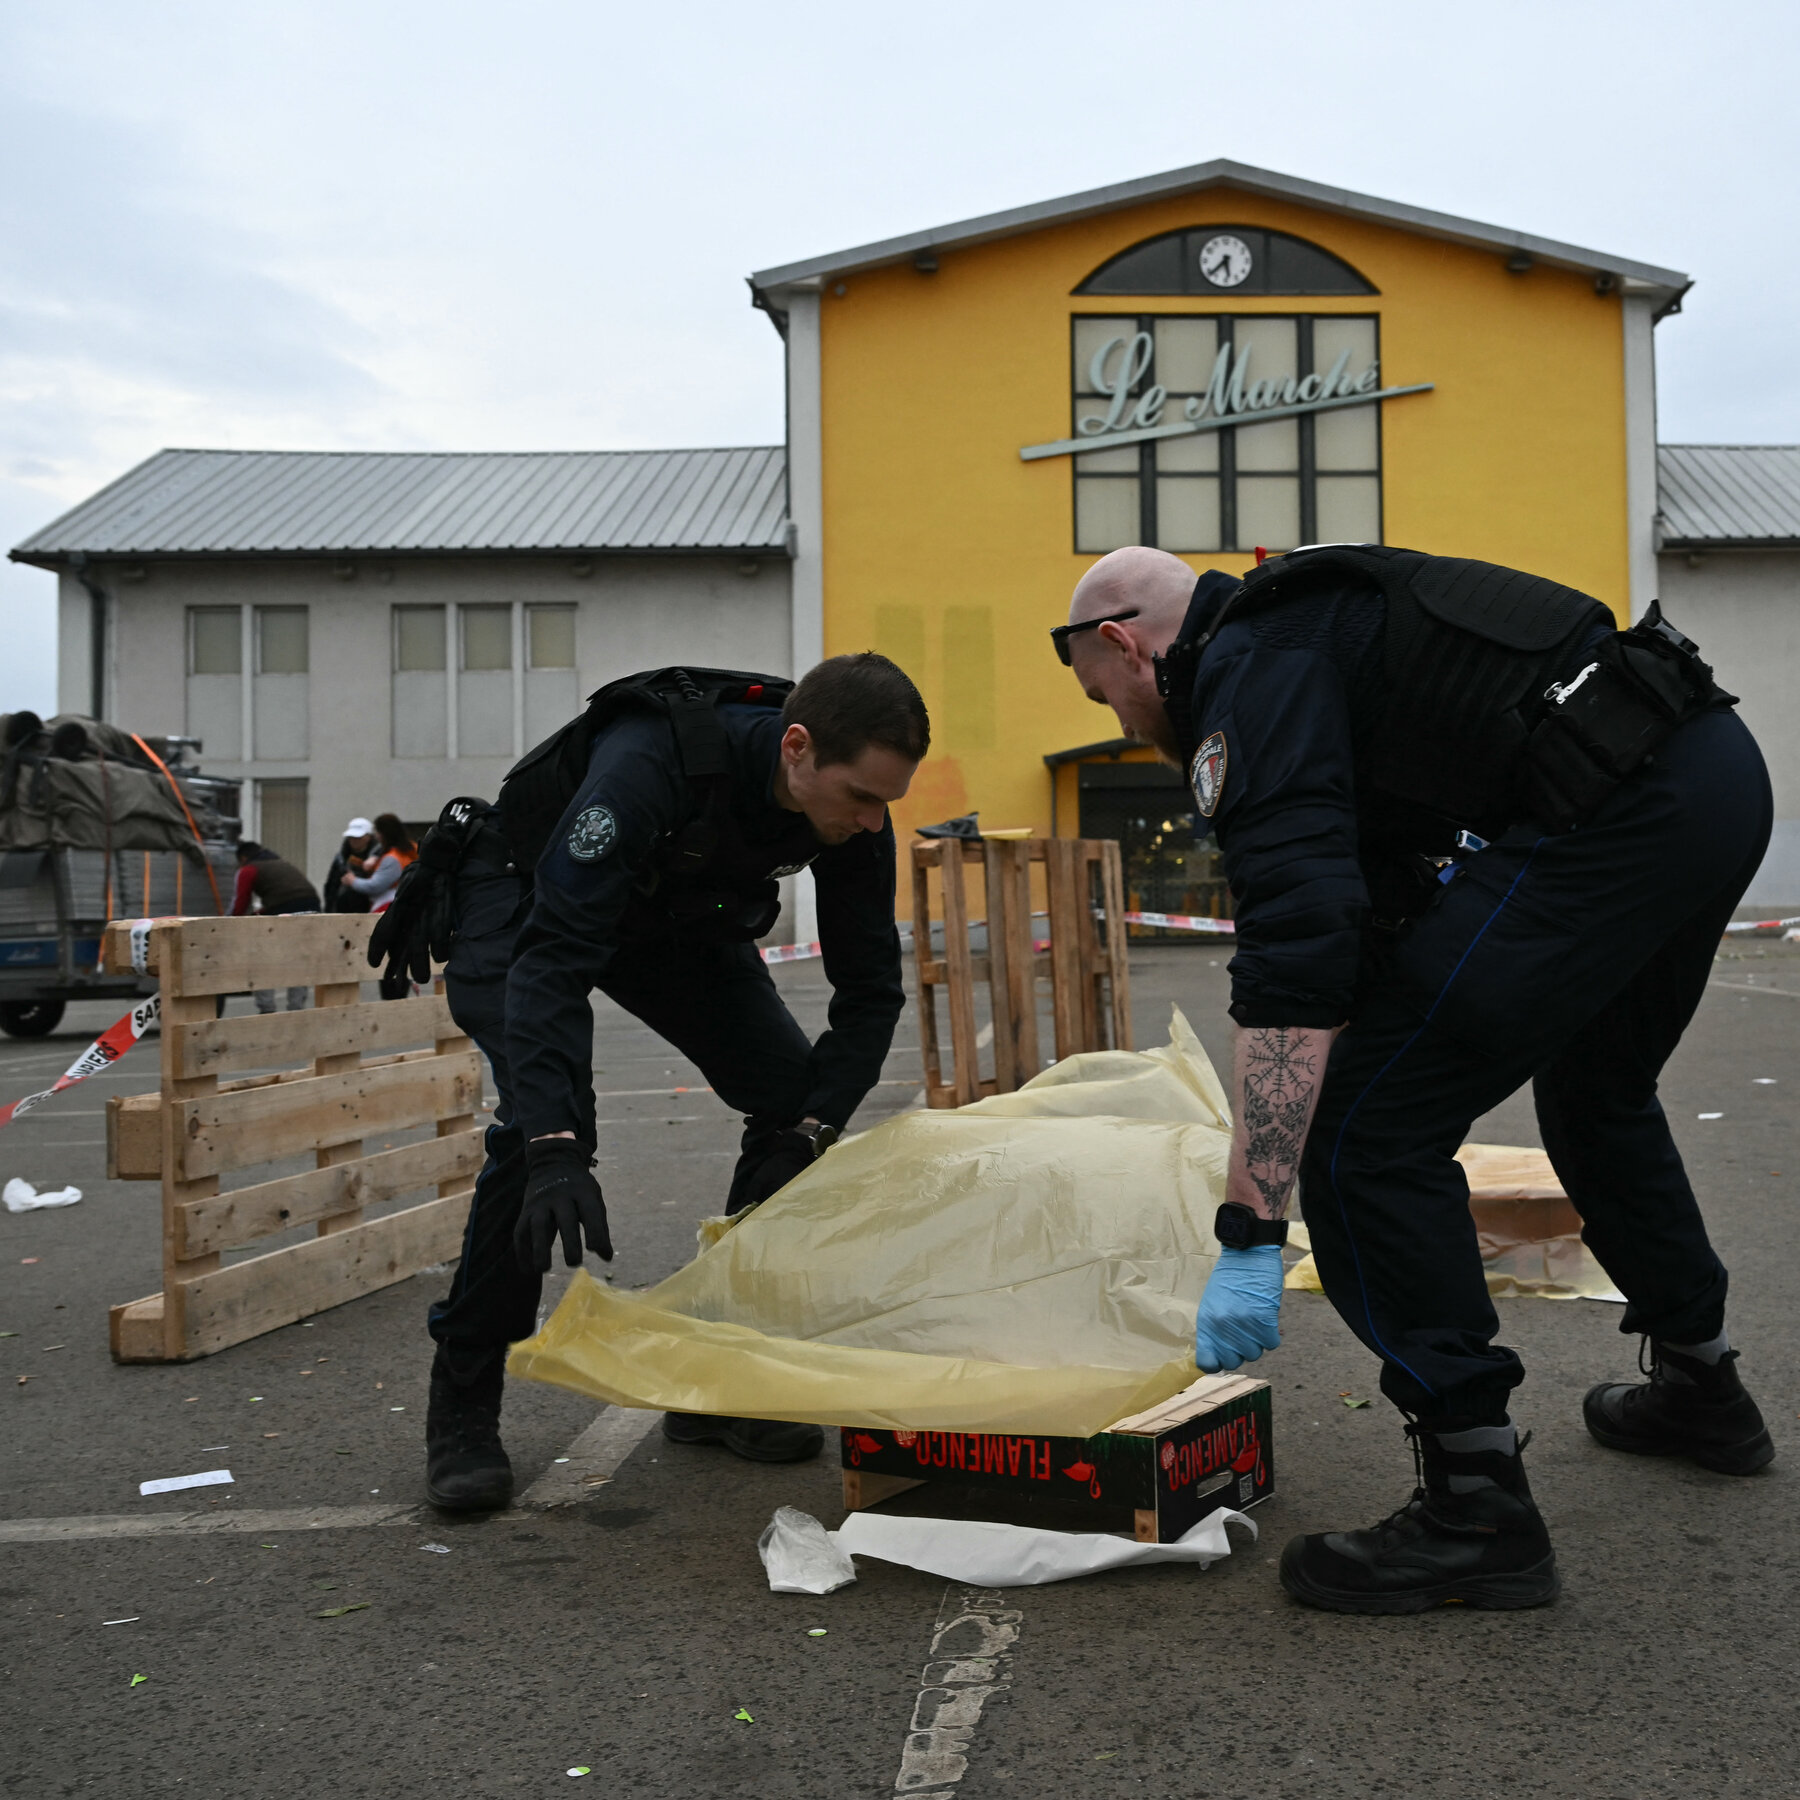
(105, 1050)
(780, 953)
(1182, 922)
(1762, 925)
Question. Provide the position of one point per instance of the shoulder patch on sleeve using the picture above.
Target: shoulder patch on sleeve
(1206, 774)
(593, 834)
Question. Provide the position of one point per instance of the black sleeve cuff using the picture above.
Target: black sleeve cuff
(1271, 1015)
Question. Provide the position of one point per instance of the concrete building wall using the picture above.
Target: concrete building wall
(334, 727)
(1743, 609)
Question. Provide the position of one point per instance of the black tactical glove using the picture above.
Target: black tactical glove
(786, 1157)
(416, 925)
(561, 1197)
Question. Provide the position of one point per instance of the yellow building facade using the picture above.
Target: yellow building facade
(1212, 360)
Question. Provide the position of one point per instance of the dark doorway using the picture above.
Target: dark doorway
(1168, 869)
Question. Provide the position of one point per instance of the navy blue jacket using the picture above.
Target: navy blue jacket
(588, 909)
(1294, 693)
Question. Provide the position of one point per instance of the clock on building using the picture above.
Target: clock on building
(1225, 261)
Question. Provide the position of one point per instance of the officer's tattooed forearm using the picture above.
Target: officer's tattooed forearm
(1280, 1081)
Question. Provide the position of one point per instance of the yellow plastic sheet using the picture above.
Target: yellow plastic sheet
(1032, 1262)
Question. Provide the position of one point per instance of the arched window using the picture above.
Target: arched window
(1222, 260)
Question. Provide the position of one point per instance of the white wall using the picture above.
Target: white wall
(631, 613)
(1742, 607)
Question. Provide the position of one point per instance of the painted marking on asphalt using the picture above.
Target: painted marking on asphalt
(592, 1459)
(166, 1524)
(1750, 987)
(971, 1661)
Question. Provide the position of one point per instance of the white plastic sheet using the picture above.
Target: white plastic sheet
(986, 1554)
(20, 1196)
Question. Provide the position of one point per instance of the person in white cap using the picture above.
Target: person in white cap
(359, 842)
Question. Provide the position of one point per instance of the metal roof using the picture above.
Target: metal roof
(1667, 285)
(196, 503)
(1747, 495)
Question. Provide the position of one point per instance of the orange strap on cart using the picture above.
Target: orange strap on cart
(181, 801)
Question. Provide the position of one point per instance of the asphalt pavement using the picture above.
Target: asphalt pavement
(630, 1631)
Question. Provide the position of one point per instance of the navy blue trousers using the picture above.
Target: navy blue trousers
(715, 1003)
(1573, 962)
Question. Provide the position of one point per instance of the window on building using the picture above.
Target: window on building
(484, 683)
(1310, 478)
(215, 680)
(421, 696)
(281, 819)
(1236, 259)
(511, 681)
(280, 699)
(551, 697)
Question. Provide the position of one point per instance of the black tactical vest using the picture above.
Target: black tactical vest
(703, 876)
(1470, 652)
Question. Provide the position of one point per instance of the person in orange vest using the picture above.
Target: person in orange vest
(377, 875)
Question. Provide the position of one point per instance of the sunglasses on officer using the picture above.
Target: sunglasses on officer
(1060, 634)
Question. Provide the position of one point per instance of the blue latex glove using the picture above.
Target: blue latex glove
(1240, 1312)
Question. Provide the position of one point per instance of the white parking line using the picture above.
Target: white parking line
(167, 1524)
(592, 1460)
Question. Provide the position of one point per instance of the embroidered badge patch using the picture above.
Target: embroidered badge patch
(593, 835)
(1206, 774)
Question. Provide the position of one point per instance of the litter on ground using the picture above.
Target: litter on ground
(20, 1196)
(801, 1556)
(173, 1484)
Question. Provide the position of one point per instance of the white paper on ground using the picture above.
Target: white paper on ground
(174, 1483)
(20, 1196)
(801, 1556)
(985, 1554)
(1612, 1296)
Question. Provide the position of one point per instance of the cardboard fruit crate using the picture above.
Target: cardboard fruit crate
(1156, 1474)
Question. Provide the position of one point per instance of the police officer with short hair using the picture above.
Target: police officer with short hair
(652, 887)
(1476, 836)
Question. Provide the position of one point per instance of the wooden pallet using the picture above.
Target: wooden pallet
(1090, 986)
(327, 1079)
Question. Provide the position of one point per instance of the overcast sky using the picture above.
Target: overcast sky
(396, 224)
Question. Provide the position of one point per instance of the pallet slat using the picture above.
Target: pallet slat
(215, 1045)
(237, 956)
(245, 1299)
(224, 1221)
(237, 1130)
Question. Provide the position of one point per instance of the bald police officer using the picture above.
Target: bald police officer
(1476, 836)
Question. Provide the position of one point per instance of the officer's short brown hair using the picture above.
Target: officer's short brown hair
(848, 703)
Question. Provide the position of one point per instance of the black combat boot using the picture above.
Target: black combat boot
(465, 1468)
(1471, 1534)
(1688, 1407)
(756, 1440)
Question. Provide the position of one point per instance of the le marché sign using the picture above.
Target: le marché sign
(1234, 396)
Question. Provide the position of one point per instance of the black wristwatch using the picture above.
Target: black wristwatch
(1238, 1228)
(820, 1137)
